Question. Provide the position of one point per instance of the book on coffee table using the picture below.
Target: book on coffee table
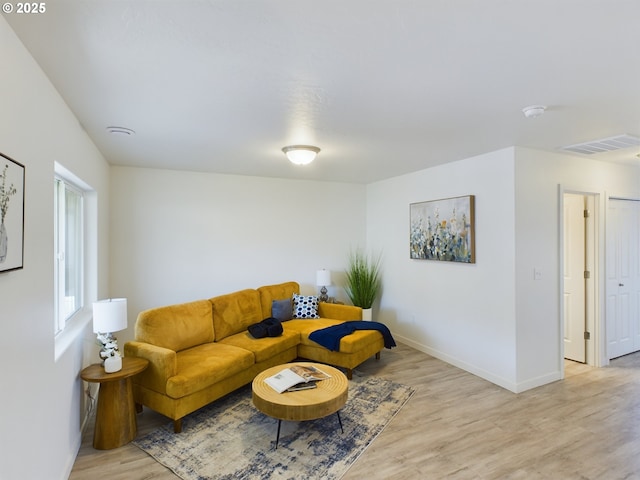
(302, 386)
(299, 376)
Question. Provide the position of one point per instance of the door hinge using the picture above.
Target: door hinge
(587, 274)
(586, 213)
(587, 335)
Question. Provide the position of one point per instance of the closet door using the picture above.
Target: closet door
(623, 277)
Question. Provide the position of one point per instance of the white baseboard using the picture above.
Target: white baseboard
(479, 372)
(71, 460)
(539, 381)
(77, 442)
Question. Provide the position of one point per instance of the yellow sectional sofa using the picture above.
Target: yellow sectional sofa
(200, 351)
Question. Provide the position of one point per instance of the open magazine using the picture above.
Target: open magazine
(296, 377)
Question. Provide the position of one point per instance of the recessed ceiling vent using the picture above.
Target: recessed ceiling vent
(604, 145)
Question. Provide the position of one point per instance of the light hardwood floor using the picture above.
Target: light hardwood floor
(459, 426)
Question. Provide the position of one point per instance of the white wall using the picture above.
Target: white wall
(491, 318)
(462, 313)
(180, 236)
(540, 178)
(41, 397)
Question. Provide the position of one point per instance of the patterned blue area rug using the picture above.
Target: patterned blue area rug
(230, 439)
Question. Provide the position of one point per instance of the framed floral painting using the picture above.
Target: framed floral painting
(443, 230)
(11, 214)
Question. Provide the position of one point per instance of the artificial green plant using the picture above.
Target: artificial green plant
(363, 278)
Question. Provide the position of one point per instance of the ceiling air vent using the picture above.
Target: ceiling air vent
(123, 131)
(604, 145)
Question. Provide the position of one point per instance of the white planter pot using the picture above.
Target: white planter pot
(367, 314)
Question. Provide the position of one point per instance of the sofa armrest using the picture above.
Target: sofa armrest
(337, 311)
(163, 364)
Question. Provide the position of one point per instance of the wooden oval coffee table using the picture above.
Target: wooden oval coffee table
(329, 396)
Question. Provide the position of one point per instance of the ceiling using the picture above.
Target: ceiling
(384, 88)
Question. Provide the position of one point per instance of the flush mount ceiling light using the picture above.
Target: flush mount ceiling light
(301, 154)
(121, 131)
(533, 111)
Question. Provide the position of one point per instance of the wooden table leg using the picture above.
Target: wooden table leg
(115, 415)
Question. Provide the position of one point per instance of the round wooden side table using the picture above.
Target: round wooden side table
(329, 396)
(115, 415)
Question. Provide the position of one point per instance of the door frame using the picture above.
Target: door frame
(596, 346)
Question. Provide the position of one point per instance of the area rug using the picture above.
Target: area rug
(230, 439)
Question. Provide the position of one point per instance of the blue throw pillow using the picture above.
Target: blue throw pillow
(282, 309)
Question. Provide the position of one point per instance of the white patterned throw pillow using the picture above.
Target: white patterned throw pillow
(305, 306)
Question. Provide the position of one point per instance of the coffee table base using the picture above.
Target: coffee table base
(280, 424)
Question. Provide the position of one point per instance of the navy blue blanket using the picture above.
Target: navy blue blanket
(330, 337)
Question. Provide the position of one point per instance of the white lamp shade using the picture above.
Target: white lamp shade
(109, 315)
(323, 278)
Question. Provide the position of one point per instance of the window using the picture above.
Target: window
(69, 251)
(75, 256)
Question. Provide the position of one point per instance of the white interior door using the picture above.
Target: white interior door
(574, 279)
(623, 278)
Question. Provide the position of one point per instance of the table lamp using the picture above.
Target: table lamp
(110, 316)
(323, 278)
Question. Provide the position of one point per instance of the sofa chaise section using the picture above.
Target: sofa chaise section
(354, 348)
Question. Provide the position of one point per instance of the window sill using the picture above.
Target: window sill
(72, 331)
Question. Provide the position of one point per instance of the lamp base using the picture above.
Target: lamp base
(323, 295)
(113, 364)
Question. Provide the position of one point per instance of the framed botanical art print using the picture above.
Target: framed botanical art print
(443, 230)
(11, 214)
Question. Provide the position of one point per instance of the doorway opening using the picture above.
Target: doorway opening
(580, 276)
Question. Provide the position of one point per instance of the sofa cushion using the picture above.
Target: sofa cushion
(176, 327)
(305, 327)
(234, 312)
(264, 348)
(282, 309)
(338, 311)
(202, 366)
(280, 291)
(305, 306)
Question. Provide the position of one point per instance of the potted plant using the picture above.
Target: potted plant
(363, 280)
